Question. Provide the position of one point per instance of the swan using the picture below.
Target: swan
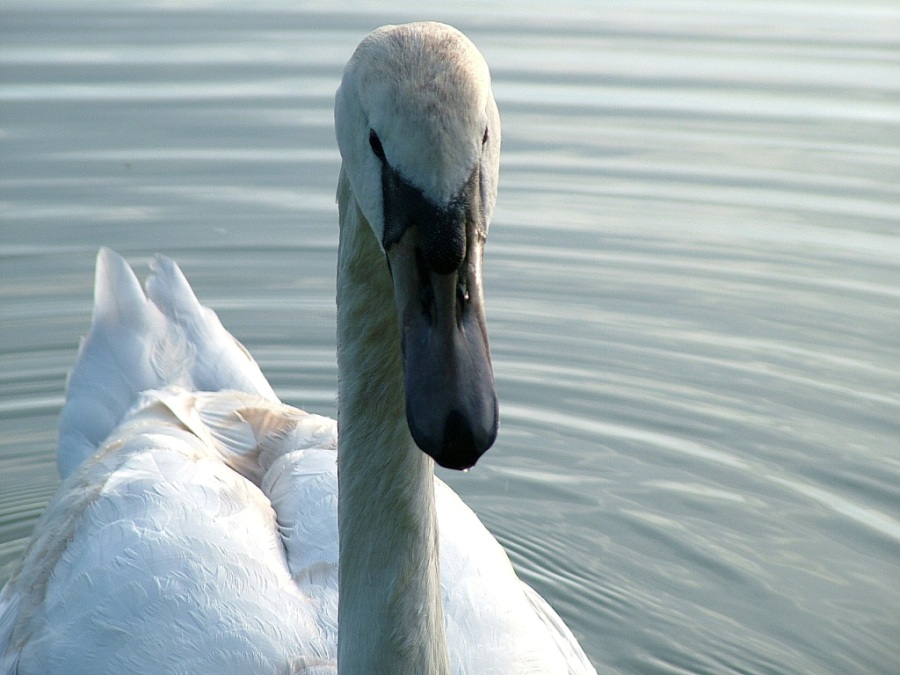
(202, 526)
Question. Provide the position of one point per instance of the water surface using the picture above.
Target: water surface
(693, 285)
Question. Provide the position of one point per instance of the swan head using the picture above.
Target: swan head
(419, 135)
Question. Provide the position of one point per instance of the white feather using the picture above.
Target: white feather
(202, 537)
(196, 528)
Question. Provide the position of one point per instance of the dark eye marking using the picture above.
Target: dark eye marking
(377, 148)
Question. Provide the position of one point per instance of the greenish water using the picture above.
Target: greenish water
(693, 285)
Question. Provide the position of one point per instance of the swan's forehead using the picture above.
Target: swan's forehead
(425, 89)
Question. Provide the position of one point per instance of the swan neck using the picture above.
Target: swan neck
(390, 614)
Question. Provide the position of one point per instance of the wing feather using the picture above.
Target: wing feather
(196, 526)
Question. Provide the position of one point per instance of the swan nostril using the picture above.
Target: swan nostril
(462, 295)
(375, 144)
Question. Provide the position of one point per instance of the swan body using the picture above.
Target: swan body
(202, 526)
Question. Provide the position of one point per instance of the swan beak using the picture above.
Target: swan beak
(435, 262)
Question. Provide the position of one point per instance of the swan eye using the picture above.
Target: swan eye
(484, 139)
(377, 148)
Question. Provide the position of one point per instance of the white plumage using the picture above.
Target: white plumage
(196, 528)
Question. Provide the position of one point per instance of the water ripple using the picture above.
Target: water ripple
(691, 284)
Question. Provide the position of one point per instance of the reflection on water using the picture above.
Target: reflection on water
(693, 286)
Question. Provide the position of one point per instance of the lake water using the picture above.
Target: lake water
(692, 279)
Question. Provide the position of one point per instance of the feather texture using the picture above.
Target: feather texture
(200, 536)
(200, 527)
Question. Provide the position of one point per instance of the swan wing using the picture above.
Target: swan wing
(139, 342)
(159, 555)
(487, 605)
(199, 533)
(163, 550)
(576, 660)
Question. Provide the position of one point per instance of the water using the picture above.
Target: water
(693, 285)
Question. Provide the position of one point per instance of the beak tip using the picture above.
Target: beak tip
(460, 446)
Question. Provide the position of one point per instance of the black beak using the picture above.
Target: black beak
(435, 258)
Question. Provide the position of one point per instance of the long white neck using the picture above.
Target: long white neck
(390, 615)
